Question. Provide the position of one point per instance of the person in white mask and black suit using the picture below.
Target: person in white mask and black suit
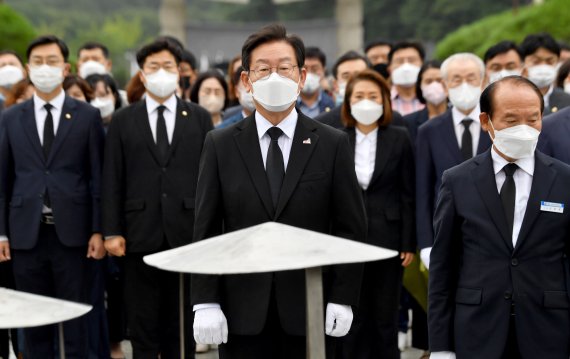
(384, 165)
(276, 165)
(152, 153)
(502, 231)
(540, 54)
(448, 139)
(404, 62)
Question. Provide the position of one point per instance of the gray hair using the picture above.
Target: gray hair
(462, 56)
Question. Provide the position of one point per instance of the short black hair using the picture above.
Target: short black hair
(533, 42)
(174, 41)
(486, 100)
(155, 47)
(203, 77)
(501, 48)
(407, 45)
(563, 72)
(431, 64)
(349, 56)
(564, 46)
(46, 40)
(10, 52)
(188, 57)
(271, 33)
(92, 45)
(313, 52)
(377, 42)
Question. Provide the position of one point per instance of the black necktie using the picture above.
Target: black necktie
(275, 166)
(508, 194)
(467, 140)
(48, 141)
(161, 134)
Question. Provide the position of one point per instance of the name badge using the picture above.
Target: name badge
(552, 207)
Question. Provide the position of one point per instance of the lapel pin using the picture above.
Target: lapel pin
(307, 141)
(184, 113)
(554, 109)
(68, 116)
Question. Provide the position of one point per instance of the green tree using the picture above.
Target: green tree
(15, 32)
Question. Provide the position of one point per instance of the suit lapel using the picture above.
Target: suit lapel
(542, 181)
(449, 137)
(384, 147)
(247, 142)
(66, 121)
(181, 120)
(31, 129)
(143, 125)
(484, 177)
(300, 154)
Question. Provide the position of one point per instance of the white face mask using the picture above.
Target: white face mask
(366, 112)
(405, 75)
(339, 96)
(567, 87)
(516, 142)
(542, 75)
(46, 78)
(246, 100)
(105, 105)
(275, 93)
(9, 75)
(496, 76)
(465, 97)
(161, 83)
(434, 93)
(312, 83)
(214, 104)
(91, 67)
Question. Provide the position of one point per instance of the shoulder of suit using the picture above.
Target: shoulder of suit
(321, 129)
(12, 113)
(562, 115)
(561, 167)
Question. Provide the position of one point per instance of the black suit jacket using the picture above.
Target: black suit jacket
(389, 199)
(320, 193)
(147, 199)
(554, 139)
(558, 100)
(71, 174)
(333, 118)
(414, 120)
(475, 273)
(436, 151)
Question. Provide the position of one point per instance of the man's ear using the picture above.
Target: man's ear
(484, 118)
(244, 77)
(66, 69)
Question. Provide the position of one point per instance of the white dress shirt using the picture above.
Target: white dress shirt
(365, 156)
(523, 182)
(169, 115)
(40, 113)
(475, 127)
(285, 141)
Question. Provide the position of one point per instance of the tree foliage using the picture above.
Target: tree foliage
(15, 32)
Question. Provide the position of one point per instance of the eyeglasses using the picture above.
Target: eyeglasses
(263, 71)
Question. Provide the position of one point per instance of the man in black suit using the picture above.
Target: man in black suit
(150, 174)
(51, 150)
(499, 268)
(540, 53)
(554, 137)
(276, 165)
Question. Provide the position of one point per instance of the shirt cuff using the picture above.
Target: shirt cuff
(442, 355)
(3, 239)
(205, 306)
(111, 236)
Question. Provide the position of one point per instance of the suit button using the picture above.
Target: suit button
(508, 295)
(164, 195)
(163, 169)
(514, 262)
(47, 172)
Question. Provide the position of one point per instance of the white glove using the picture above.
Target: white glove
(338, 319)
(442, 355)
(424, 255)
(210, 326)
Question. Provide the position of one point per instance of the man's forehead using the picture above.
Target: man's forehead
(10, 59)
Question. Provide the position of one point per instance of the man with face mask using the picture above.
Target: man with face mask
(448, 139)
(11, 72)
(404, 62)
(290, 169)
(502, 60)
(152, 154)
(245, 98)
(313, 100)
(51, 152)
(501, 240)
(540, 54)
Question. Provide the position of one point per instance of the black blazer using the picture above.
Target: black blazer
(146, 199)
(71, 174)
(475, 273)
(320, 193)
(555, 135)
(558, 100)
(436, 151)
(389, 199)
(414, 120)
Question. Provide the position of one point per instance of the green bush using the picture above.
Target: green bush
(552, 17)
(15, 31)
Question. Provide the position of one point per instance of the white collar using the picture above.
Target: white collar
(459, 116)
(526, 164)
(152, 104)
(360, 136)
(56, 102)
(287, 125)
